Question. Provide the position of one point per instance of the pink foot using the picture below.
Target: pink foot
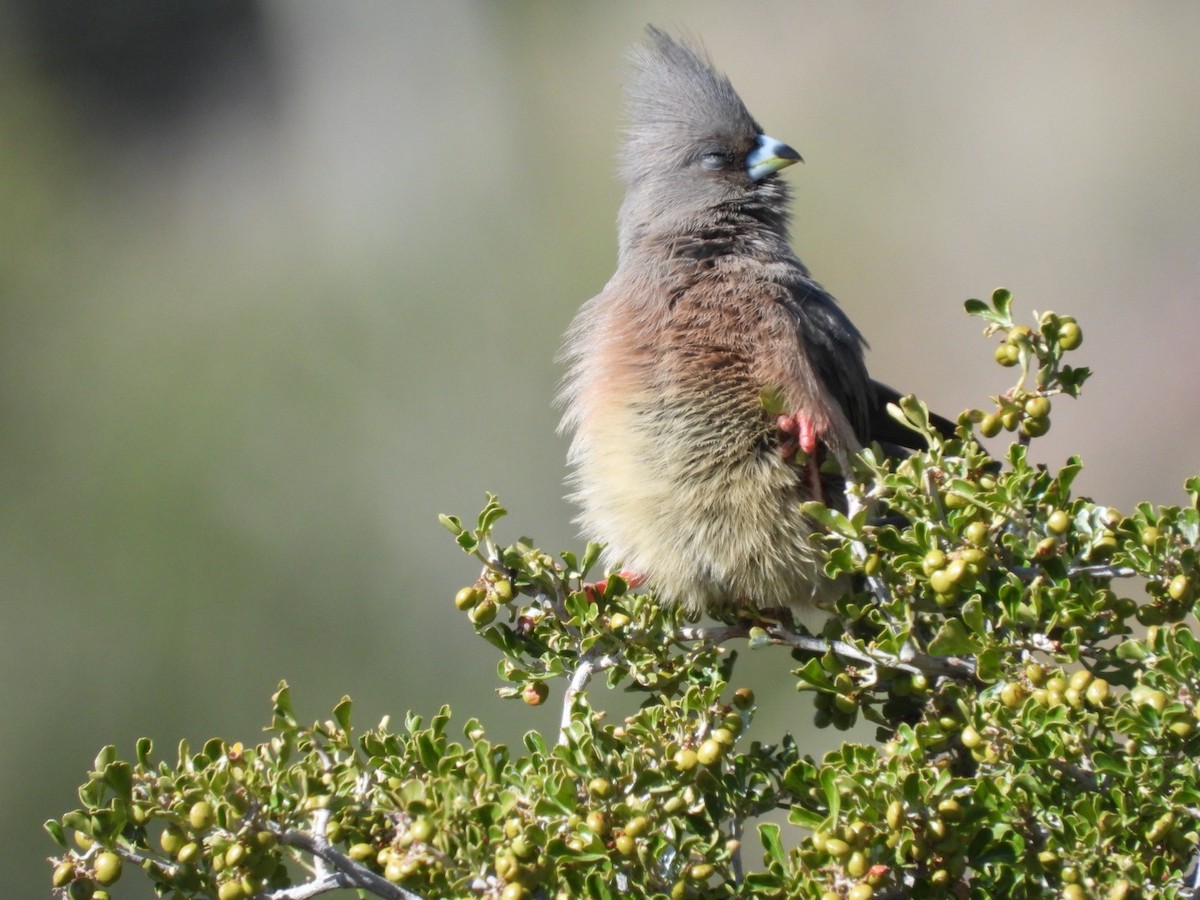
(800, 434)
(631, 578)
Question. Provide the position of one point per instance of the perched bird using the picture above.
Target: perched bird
(710, 358)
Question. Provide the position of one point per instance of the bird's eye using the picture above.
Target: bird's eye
(715, 160)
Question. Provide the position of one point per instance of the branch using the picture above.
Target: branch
(332, 882)
(912, 661)
(589, 664)
(1102, 571)
(348, 874)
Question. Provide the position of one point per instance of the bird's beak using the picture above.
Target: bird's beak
(769, 156)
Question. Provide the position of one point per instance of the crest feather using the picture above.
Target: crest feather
(675, 101)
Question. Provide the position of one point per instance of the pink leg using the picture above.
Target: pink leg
(633, 579)
(800, 434)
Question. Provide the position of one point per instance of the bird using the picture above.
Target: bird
(709, 359)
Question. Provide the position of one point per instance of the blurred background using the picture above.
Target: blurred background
(280, 282)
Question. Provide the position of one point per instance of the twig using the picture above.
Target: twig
(735, 861)
(169, 870)
(320, 819)
(589, 664)
(349, 873)
(1102, 571)
(715, 635)
(912, 661)
(332, 882)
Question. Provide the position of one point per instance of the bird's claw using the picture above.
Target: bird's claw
(799, 434)
(632, 580)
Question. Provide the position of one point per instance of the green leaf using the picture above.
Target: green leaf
(106, 755)
(1192, 486)
(91, 795)
(951, 640)
(773, 400)
(988, 665)
(283, 713)
(491, 514)
(536, 744)
(1002, 301)
(976, 307)
(591, 554)
(341, 713)
(830, 519)
(1132, 651)
(973, 617)
(119, 777)
(833, 796)
(813, 674)
(55, 830)
(78, 820)
(769, 834)
(803, 818)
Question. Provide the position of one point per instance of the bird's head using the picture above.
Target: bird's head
(692, 149)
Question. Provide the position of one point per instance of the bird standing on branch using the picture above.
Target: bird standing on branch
(712, 376)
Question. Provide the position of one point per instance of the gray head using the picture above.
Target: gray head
(692, 149)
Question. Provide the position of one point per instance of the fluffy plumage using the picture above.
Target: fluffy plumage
(676, 461)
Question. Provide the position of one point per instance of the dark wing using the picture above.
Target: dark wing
(835, 349)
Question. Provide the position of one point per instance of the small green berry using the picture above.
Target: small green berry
(1058, 522)
(201, 816)
(970, 737)
(1007, 355)
(1069, 335)
(466, 598)
(836, 847)
(976, 533)
(107, 867)
(600, 787)
(535, 693)
(597, 822)
(503, 591)
(1037, 407)
(934, 559)
(172, 839)
(64, 874)
(685, 759)
(941, 582)
(710, 752)
(1034, 427)
(421, 830)
(1179, 588)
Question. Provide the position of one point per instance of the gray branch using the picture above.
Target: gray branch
(348, 874)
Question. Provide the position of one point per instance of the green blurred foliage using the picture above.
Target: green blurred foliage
(1028, 742)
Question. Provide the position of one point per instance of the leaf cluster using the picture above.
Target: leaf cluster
(1028, 659)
